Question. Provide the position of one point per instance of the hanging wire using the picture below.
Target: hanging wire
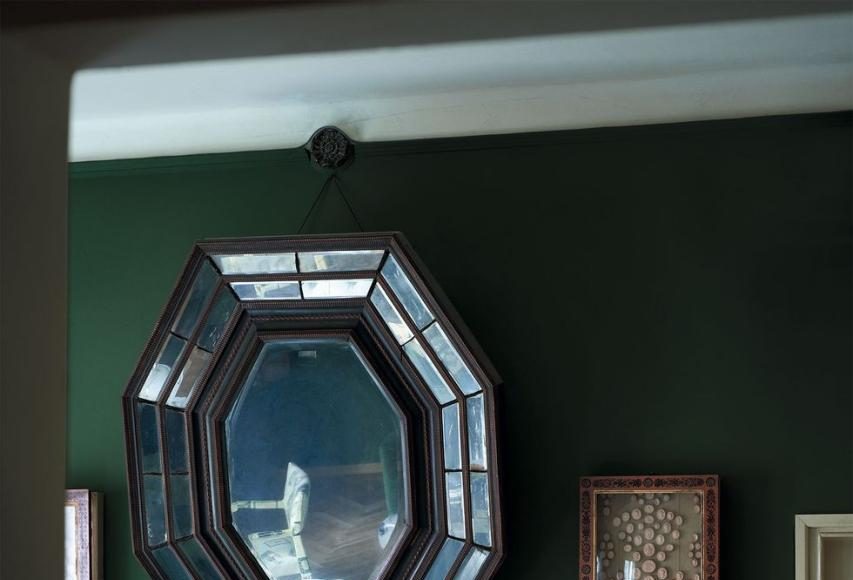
(346, 201)
(314, 205)
(332, 178)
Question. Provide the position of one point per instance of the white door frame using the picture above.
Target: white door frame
(809, 533)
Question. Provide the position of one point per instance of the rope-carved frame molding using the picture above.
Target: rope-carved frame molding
(370, 288)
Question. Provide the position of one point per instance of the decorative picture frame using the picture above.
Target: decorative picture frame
(658, 527)
(83, 525)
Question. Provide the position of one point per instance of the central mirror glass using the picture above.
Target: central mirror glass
(316, 462)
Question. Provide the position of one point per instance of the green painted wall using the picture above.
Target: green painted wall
(662, 299)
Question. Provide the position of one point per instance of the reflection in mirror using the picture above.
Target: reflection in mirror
(336, 288)
(162, 368)
(199, 561)
(188, 379)
(480, 520)
(176, 441)
(340, 261)
(428, 372)
(315, 455)
(256, 263)
(476, 433)
(194, 303)
(149, 437)
(406, 293)
(390, 315)
(448, 355)
(471, 564)
(217, 320)
(455, 505)
(155, 510)
(452, 445)
(170, 564)
(266, 290)
(445, 559)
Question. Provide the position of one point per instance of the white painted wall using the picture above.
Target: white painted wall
(33, 309)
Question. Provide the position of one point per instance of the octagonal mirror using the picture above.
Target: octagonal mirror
(315, 456)
(309, 408)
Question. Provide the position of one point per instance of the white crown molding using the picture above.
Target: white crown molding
(566, 81)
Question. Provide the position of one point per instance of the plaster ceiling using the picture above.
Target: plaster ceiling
(570, 80)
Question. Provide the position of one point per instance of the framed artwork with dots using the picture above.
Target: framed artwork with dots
(650, 527)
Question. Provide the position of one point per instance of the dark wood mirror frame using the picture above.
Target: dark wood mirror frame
(213, 548)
